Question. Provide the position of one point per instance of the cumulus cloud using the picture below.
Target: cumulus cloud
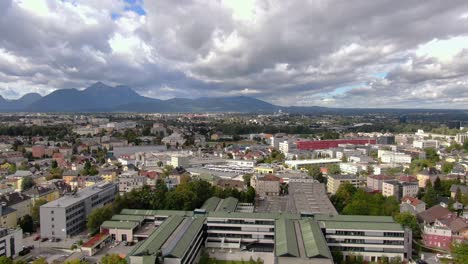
(332, 53)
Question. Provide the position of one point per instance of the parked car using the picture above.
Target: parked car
(37, 238)
(129, 243)
(44, 239)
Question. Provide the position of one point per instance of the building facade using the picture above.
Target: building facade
(67, 215)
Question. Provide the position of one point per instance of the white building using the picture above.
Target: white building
(179, 161)
(423, 144)
(11, 242)
(461, 138)
(393, 157)
(352, 168)
(286, 146)
(298, 164)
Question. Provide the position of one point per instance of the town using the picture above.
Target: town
(202, 188)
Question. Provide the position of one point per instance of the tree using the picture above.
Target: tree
(447, 167)
(316, 173)
(40, 260)
(97, 217)
(460, 252)
(431, 155)
(408, 220)
(76, 261)
(246, 177)
(27, 183)
(430, 197)
(5, 260)
(54, 164)
(35, 209)
(27, 224)
(438, 186)
(458, 195)
(333, 169)
(113, 259)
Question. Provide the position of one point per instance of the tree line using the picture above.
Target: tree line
(188, 195)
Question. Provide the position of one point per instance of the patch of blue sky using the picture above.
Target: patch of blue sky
(380, 74)
(135, 6)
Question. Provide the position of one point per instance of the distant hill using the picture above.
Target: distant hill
(19, 104)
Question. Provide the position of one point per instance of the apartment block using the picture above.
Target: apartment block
(334, 182)
(67, 215)
(11, 242)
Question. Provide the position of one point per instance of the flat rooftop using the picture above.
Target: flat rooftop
(70, 199)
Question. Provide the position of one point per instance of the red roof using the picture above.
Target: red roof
(269, 177)
(407, 179)
(380, 177)
(97, 238)
(411, 200)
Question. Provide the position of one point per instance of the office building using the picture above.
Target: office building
(423, 144)
(283, 238)
(67, 215)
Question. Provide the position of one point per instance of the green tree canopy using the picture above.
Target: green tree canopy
(113, 259)
(27, 183)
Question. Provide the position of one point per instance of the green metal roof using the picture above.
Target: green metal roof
(154, 242)
(137, 212)
(119, 224)
(285, 238)
(314, 243)
(363, 226)
(211, 204)
(270, 216)
(155, 212)
(354, 218)
(134, 218)
(228, 205)
(188, 238)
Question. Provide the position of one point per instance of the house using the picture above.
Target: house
(18, 201)
(443, 232)
(234, 184)
(8, 216)
(266, 185)
(454, 188)
(42, 192)
(432, 214)
(412, 205)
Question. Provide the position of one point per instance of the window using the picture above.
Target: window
(52, 212)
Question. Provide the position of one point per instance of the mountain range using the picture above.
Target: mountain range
(100, 97)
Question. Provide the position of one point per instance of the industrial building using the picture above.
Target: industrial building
(326, 144)
(229, 234)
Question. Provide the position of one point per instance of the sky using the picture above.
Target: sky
(334, 53)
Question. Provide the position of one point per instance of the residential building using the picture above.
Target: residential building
(129, 181)
(11, 242)
(393, 157)
(66, 216)
(17, 201)
(334, 182)
(179, 161)
(455, 187)
(391, 188)
(266, 185)
(375, 182)
(412, 205)
(352, 168)
(461, 138)
(42, 192)
(386, 140)
(8, 216)
(423, 144)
